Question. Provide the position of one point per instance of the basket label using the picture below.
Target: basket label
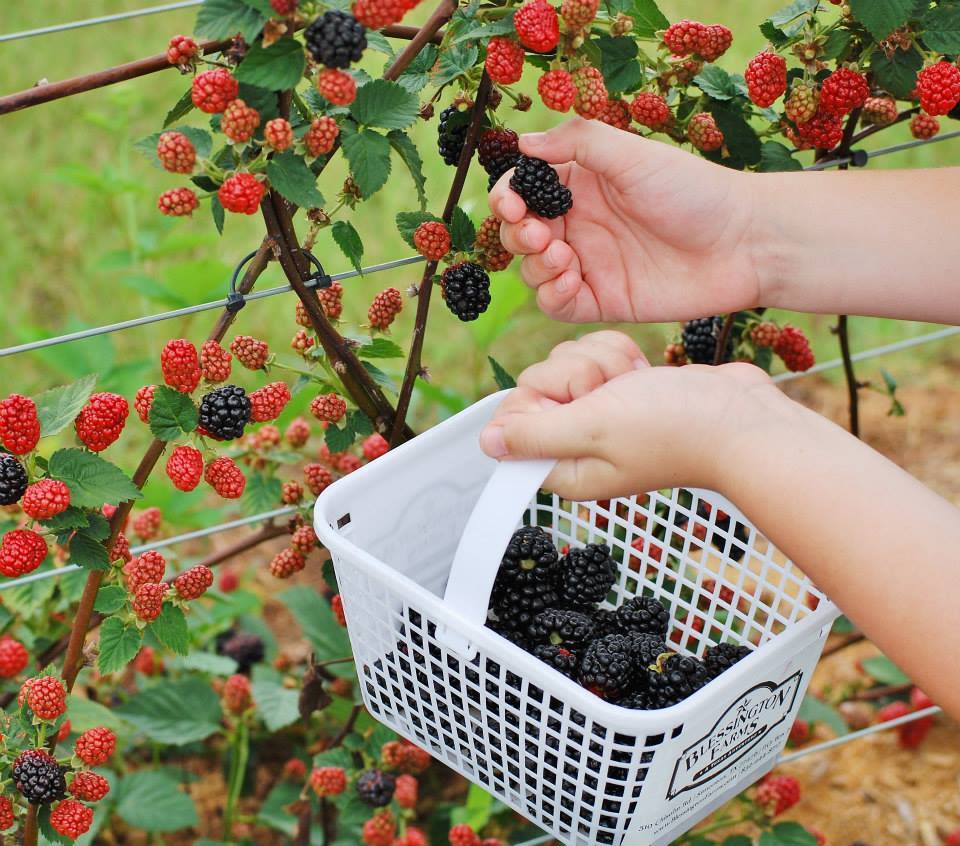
(740, 728)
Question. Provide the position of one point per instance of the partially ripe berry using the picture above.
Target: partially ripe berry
(432, 240)
(21, 552)
(924, 126)
(180, 365)
(239, 121)
(557, 90)
(385, 307)
(286, 563)
(328, 781)
(182, 50)
(703, 132)
(318, 478)
(328, 407)
(223, 475)
(715, 41)
(251, 352)
(504, 62)
(766, 77)
(13, 657)
(337, 86)
(193, 583)
(71, 818)
(176, 152)
(650, 110)
(537, 26)
(177, 202)
(268, 402)
(616, 114)
(298, 432)
(19, 424)
(185, 467)
(215, 362)
(146, 524)
(95, 746)
(237, 694)
(213, 89)
(241, 193)
(879, 111)
(321, 136)
(278, 134)
(577, 14)
(45, 499)
(591, 96)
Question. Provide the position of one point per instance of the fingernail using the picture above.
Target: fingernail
(535, 139)
(561, 284)
(492, 442)
(551, 257)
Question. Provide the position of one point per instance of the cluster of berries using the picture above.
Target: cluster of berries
(911, 734)
(699, 339)
(147, 589)
(550, 606)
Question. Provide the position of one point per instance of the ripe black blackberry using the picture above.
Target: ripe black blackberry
(674, 678)
(527, 580)
(588, 575)
(560, 627)
(497, 152)
(539, 186)
(376, 787)
(608, 667)
(517, 638)
(605, 622)
(13, 479)
(451, 133)
(647, 648)
(700, 338)
(558, 657)
(225, 411)
(723, 656)
(245, 648)
(336, 39)
(644, 615)
(466, 290)
(39, 777)
(639, 700)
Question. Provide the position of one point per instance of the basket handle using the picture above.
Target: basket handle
(487, 533)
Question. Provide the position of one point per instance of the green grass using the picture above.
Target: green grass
(83, 244)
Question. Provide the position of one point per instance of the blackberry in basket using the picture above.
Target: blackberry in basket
(558, 657)
(643, 615)
(561, 627)
(609, 667)
(527, 580)
(588, 575)
(674, 678)
(723, 656)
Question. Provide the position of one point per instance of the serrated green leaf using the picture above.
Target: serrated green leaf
(276, 705)
(262, 493)
(836, 44)
(815, 710)
(882, 17)
(793, 834)
(328, 638)
(618, 63)
(92, 480)
(768, 838)
(500, 376)
(648, 19)
(151, 800)
(897, 73)
(289, 174)
(379, 376)
(462, 231)
(380, 348)
(110, 599)
(348, 240)
(182, 107)
(119, 644)
(793, 16)
(359, 422)
(738, 136)
(385, 104)
(218, 213)
(485, 31)
(772, 34)
(224, 18)
(159, 712)
(170, 628)
(942, 28)
(738, 840)
(339, 440)
(277, 67)
(338, 757)
(476, 811)
(172, 414)
(715, 82)
(775, 157)
(417, 74)
(58, 407)
(410, 156)
(456, 60)
(407, 223)
(884, 670)
(205, 662)
(368, 154)
(71, 518)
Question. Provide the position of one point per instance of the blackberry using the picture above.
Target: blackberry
(451, 133)
(608, 667)
(527, 580)
(674, 678)
(376, 787)
(647, 648)
(517, 638)
(644, 615)
(245, 648)
(605, 622)
(588, 575)
(639, 700)
(723, 656)
(561, 659)
(539, 186)
(466, 290)
(336, 39)
(559, 627)
(700, 338)
(39, 777)
(225, 411)
(497, 152)
(13, 479)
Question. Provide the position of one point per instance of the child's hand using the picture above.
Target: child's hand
(654, 234)
(620, 427)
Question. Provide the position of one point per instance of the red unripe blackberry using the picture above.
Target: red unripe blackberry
(765, 334)
(176, 152)
(406, 791)
(557, 90)
(413, 837)
(823, 131)
(331, 300)
(291, 493)
(237, 695)
(703, 132)
(577, 14)
(715, 41)
(278, 134)
(45, 499)
(185, 467)
(463, 835)
(793, 347)
(491, 254)
(146, 524)
(223, 475)
(250, 352)
(685, 37)
(374, 446)
(121, 549)
(304, 539)
(924, 126)
(239, 121)
(284, 7)
(318, 478)
(146, 662)
(337, 86)
(7, 817)
(879, 111)
(177, 202)
(766, 77)
(95, 746)
(504, 62)
(328, 407)
(616, 114)
(13, 658)
(298, 432)
(348, 462)
(229, 581)
(101, 420)
(148, 601)
(294, 769)
(432, 240)
(384, 309)
(180, 365)
(675, 356)
(380, 829)
(213, 89)
(47, 697)
(591, 97)
(328, 781)
(537, 26)
(939, 88)
(843, 91)
(802, 103)
(241, 193)
(799, 732)
(89, 786)
(147, 568)
(21, 552)
(19, 424)
(286, 563)
(777, 793)
(215, 362)
(321, 136)
(268, 402)
(650, 110)
(193, 583)
(143, 400)
(336, 606)
(182, 50)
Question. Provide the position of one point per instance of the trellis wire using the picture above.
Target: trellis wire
(119, 16)
(884, 151)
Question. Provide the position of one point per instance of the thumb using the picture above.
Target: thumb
(590, 143)
(561, 431)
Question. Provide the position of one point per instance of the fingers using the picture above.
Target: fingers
(590, 143)
(507, 204)
(531, 235)
(563, 431)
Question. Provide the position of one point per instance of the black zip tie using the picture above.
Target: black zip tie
(859, 158)
(236, 300)
(320, 279)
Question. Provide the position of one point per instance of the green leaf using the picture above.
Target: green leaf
(276, 705)
(500, 376)
(277, 67)
(274, 812)
(338, 757)
(152, 800)
(648, 19)
(476, 811)
(884, 670)
(110, 599)
(415, 78)
(792, 18)
(462, 231)
(739, 137)
(170, 628)
(793, 834)
(410, 156)
(119, 644)
(484, 32)
(172, 414)
(339, 440)
(159, 712)
(92, 480)
(205, 662)
(738, 840)
(182, 107)
(407, 223)
(348, 240)
(380, 347)
(815, 710)
(774, 156)
(289, 174)
(773, 35)
(882, 17)
(72, 518)
(224, 18)
(618, 63)
(456, 60)
(368, 154)
(218, 213)
(768, 838)
(836, 44)
(85, 714)
(897, 73)
(328, 638)
(385, 104)
(264, 100)
(261, 493)
(942, 28)
(359, 422)
(58, 407)
(715, 82)
(88, 552)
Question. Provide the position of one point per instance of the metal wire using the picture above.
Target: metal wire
(885, 151)
(187, 310)
(160, 544)
(119, 16)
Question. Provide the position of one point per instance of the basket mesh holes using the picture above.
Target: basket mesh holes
(343, 520)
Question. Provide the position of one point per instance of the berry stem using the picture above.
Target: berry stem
(239, 753)
(725, 331)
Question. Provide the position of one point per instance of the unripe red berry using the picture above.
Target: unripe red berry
(374, 446)
(777, 793)
(318, 478)
(19, 424)
(278, 134)
(268, 402)
(328, 407)
(148, 601)
(463, 835)
(406, 791)
(537, 26)
(924, 126)
(71, 818)
(684, 37)
(45, 499)
(703, 132)
(147, 568)
(180, 365)
(176, 152)
(89, 786)
(380, 829)
(557, 90)
(146, 524)
(250, 352)
(223, 475)
(185, 467)
(939, 88)
(650, 110)
(182, 50)
(843, 91)
(95, 746)
(143, 400)
(766, 77)
(491, 254)
(241, 193)
(304, 540)
(616, 114)
(239, 121)
(504, 62)
(237, 695)
(213, 89)
(715, 41)
(286, 563)
(193, 583)
(337, 86)
(376, 14)
(177, 202)
(823, 131)
(879, 111)
(298, 432)
(215, 362)
(47, 697)
(577, 14)
(13, 657)
(793, 347)
(328, 781)
(7, 817)
(101, 420)
(591, 97)
(336, 606)
(432, 240)
(21, 552)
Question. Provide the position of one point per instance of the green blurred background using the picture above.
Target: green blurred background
(84, 245)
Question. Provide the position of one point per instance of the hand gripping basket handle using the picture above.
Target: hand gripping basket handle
(492, 521)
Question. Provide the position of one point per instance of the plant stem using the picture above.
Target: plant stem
(240, 752)
(720, 354)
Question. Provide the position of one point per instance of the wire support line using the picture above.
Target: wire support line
(102, 19)
(217, 528)
(883, 151)
(896, 346)
(82, 334)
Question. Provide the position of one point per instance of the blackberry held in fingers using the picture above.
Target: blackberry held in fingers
(588, 575)
(225, 411)
(539, 186)
(498, 151)
(336, 39)
(608, 667)
(643, 615)
(13, 479)
(673, 678)
(466, 290)
(376, 787)
(723, 656)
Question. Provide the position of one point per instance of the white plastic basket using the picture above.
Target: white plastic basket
(416, 537)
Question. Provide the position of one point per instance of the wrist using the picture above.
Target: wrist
(773, 254)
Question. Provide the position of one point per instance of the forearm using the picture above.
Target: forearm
(874, 539)
(879, 243)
